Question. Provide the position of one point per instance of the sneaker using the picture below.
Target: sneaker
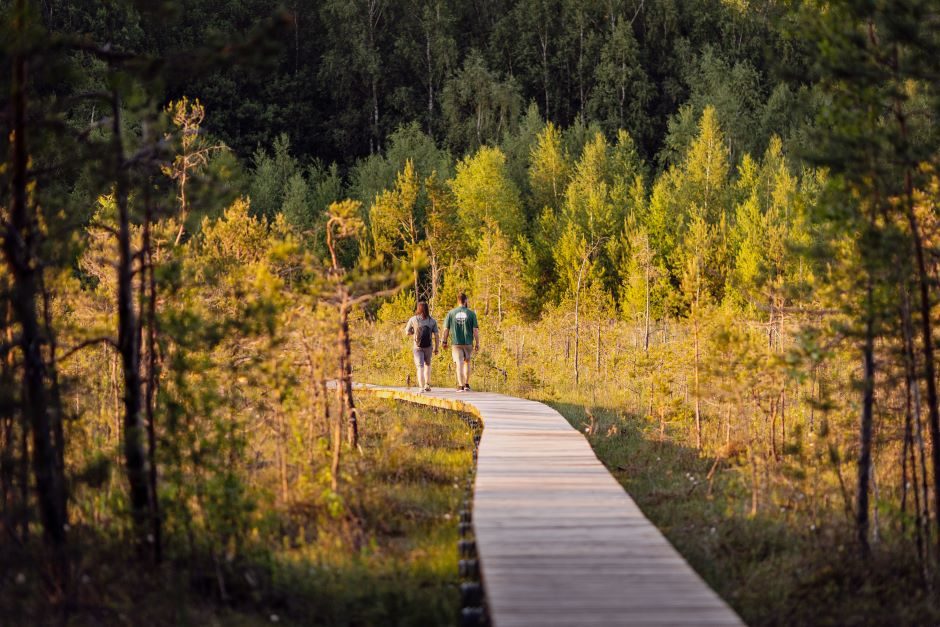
(460, 388)
(427, 388)
(466, 388)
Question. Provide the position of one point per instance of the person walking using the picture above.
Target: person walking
(423, 328)
(461, 321)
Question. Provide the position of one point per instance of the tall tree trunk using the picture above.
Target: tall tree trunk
(597, 355)
(55, 393)
(577, 338)
(135, 456)
(427, 51)
(581, 102)
(296, 39)
(15, 447)
(755, 484)
(499, 304)
(25, 432)
(773, 430)
(543, 43)
(865, 430)
(281, 444)
(19, 240)
(875, 526)
(698, 401)
(917, 436)
(923, 283)
(148, 294)
(930, 377)
(7, 453)
(435, 278)
(375, 9)
(184, 206)
(909, 469)
(349, 403)
(335, 429)
(577, 310)
(375, 144)
(646, 333)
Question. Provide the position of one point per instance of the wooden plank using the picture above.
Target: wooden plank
(559, 541)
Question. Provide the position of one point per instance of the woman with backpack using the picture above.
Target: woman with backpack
(423, 329)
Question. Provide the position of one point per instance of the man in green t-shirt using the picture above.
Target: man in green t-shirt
(461, 321)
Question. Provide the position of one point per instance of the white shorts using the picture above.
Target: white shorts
(461, 353)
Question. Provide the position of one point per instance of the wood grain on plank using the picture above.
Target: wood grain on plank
(559, 540)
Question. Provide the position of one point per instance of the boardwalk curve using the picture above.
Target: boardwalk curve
(559, 540)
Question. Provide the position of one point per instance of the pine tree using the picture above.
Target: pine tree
(873, 59)
(271, 177)
(699, 187)
(706, 168)
(621, 89)
(479, 104)
(194, 153)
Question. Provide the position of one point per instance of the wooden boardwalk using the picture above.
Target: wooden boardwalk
(558, 539)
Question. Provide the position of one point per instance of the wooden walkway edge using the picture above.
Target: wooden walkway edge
(559, 540)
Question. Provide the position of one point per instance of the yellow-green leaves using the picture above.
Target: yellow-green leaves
(549, 168)
(486, 195)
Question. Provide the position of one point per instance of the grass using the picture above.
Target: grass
(775, 568)
(382, 551)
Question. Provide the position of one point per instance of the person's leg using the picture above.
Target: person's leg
(466, 372)
(457, 352)
(419, 365)
(467, 354)
(428, 354)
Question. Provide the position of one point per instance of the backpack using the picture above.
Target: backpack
(423, 338)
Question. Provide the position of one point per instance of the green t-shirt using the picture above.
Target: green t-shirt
(461, 322)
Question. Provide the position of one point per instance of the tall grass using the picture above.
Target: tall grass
(381, 551)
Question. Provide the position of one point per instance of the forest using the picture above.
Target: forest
(705, 231)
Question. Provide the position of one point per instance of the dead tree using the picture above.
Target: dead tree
(348, 292)
(187, 117)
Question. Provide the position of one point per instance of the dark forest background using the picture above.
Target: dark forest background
(339, 77)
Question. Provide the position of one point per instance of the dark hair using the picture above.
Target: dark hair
(422, 309)
(462, 298)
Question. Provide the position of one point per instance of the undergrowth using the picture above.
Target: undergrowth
(380, 551)
(783, 565)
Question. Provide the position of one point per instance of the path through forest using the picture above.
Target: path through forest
(559, 541)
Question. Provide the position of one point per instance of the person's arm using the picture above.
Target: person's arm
(437, 337)
(446, 330)
(409, 328)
